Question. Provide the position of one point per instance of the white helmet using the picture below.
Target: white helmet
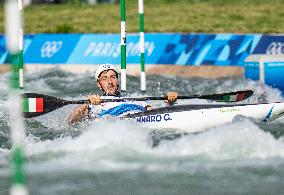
(104, 67)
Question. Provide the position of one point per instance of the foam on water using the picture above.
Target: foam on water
(4, 87)
(239, 140)
(99, 145)
(120, 145)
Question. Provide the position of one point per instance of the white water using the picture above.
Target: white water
(119, 146)
(55, 150)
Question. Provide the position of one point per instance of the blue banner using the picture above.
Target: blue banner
(270, 44)
(51, 48)
(160, 48)
(209, 49)
(3, 51)
(105, 48)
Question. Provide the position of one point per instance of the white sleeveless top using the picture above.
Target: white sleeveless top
(115, 108)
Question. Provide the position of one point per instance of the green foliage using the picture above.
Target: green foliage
(64, 28)
(208, 16)
(77, 2)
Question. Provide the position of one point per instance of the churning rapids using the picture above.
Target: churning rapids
(117, 157)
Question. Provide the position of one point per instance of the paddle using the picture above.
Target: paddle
(35, 104)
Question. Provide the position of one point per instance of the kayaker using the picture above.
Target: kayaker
(107, 80)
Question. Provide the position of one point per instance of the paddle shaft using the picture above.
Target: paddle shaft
(123, 99)
(214, 97)
(44, 103)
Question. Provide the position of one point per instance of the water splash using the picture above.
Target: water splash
(111, 154)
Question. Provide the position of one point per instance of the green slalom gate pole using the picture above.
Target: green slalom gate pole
(142, 45)
(12, 25)
(21, 45)
(123, 45)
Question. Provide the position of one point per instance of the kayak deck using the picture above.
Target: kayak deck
(187, 107)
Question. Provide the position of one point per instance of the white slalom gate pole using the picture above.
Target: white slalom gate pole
(21, 45)
(142, 45)
(12, 25)
(123, 45)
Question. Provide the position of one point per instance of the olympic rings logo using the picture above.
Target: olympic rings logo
(275, 48)
(49, 48)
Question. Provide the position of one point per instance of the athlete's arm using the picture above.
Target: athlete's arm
(82, 111)
(78, 114)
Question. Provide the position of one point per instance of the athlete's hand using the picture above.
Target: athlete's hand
(95, 99)
(171, 98)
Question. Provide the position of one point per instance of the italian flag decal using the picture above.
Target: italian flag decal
(237, 97)
(33, 104)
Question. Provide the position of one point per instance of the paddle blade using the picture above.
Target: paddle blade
(38, 104)
(230, 97)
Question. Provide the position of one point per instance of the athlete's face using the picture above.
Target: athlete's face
(108, 82)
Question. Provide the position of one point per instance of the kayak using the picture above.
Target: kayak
(188, 118)
(199, 117)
